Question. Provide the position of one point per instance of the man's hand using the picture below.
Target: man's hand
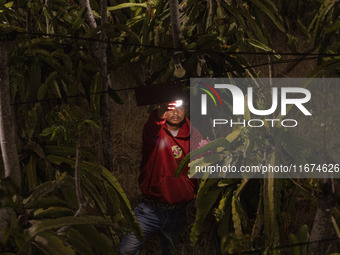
(164, 108)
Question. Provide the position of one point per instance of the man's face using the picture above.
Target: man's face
(176, 116)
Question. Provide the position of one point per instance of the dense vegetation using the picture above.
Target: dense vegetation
(62, 61)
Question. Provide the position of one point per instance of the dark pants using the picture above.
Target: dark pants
(168, 223)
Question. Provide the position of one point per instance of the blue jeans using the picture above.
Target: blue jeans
(168, 223)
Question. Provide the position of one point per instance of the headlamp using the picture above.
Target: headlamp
(178, 103)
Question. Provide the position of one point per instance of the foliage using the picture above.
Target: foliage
(249, 212)
(59, 79)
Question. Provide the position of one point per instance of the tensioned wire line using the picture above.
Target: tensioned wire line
(170, 82)
(315, 56)
(259, 251)
(179, 49)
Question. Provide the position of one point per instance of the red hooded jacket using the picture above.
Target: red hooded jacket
(162, 152)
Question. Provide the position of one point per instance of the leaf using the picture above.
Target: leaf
(235, 205)
(246, 147)
(35, 147)
(303, 236)
(33, 119)
(124, 203)
(238, 215)
(90, 168)
(95, 169)
(233, 135)
(114, 202)
(126, 5)
(55, 86)
(295, 250)
(96, 87)
(241, 187)
(45, 202)
(98, 240)
(224, 223)
(89, 123)
(271, 192)
(47, 15)
(270, 13)
(303, 29)
(256, 25)
(227, 182)
(52, 245)
(333, 27)
(46, 85)
(65, 150)
(78, 242)
(31, 173)
(234, 13)
(324, 10)
(40, 191)
(93, 192)
(47, 131)
(336, 216)
(9, 4)
(44, 225)
(262, 46)
(220, 142)
(204, 161)
(336, 227)
(207, 196)
(256, 231)
(80, 20)
(52, 212)
(113, 94)
(35, 79)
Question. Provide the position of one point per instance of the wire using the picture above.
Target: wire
(183, 80)
(287, 246)
(73, 96)
(315, 56)
(180, 49)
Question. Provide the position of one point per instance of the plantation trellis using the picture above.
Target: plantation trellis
(56, 84)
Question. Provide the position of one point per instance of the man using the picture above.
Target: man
(166, 140)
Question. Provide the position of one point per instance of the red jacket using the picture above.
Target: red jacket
(161, 154)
